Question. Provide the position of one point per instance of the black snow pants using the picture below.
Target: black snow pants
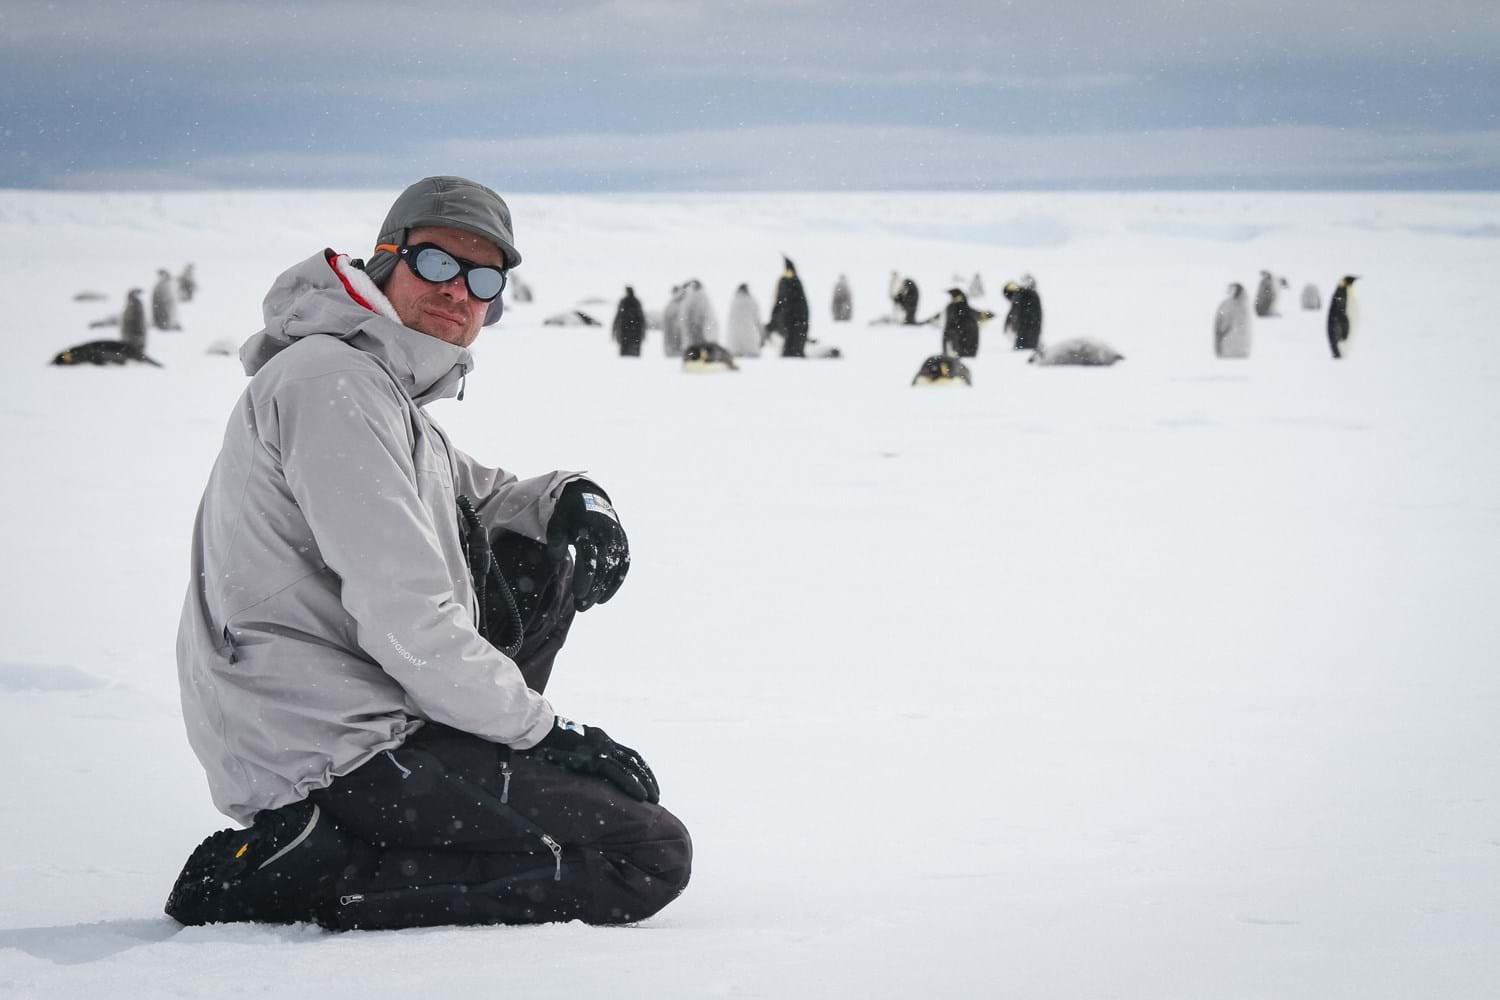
(450, 828)
(454, 829)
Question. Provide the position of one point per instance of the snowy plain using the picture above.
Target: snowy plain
(1174, 679)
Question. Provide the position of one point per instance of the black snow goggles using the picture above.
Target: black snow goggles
(431, 262)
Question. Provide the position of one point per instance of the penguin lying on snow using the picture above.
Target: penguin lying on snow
(103, 352)
(573, 317)
(1078, 351)
(942, 369)
(707, 359)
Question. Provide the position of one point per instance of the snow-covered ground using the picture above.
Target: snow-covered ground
(1175, 679)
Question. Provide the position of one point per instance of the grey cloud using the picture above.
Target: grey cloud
(860, 158)
(275, 92)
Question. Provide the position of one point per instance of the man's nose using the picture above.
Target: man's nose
(456, 288)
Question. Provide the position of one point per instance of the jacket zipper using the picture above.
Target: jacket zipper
(556, 850)
(505, 788)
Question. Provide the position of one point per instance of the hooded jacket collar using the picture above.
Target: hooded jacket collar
(326, 294)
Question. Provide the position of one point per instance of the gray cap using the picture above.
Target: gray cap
(446, 201)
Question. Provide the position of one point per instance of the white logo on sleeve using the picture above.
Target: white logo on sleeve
(571, 726)
(404, 653)
(594, 502)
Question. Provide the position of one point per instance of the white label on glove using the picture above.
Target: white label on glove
(594, 502)
(571, 726)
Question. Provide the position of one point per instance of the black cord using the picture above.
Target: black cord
(492, 592)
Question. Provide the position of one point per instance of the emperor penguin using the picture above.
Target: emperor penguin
(843, 301)
(742, 331)
(696, 317)
(1265, 295)
(943, 370)
(133, 322)
(187, 284)
(1343, 316)
(1083, 351)
(706, 358)
(671, 323)
(1232, 325)
(1311, 297)
(102, 352)
(164, 302)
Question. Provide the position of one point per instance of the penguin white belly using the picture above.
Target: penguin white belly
(1351, 313)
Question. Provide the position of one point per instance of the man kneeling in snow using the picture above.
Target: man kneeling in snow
(373, 616)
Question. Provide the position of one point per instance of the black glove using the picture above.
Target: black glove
(589, 749)
(585, 520)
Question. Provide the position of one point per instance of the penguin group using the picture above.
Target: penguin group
(132, 322)
(1232, 320)
(693, 334)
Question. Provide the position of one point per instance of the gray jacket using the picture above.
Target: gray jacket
(330, 609)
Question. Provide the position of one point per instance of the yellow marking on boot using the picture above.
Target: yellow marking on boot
(241, 852)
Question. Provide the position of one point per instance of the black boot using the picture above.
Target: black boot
(282, 870)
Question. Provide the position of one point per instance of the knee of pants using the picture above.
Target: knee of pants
(644, 875)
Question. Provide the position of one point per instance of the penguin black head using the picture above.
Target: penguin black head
(1349, 279)
(790, 269)
(1010, 290)
(957, 295)
(743, 288)
(630, 291)
(1236, 289)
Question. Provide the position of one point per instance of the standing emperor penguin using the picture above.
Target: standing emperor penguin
(1025, 316)
(742, 332)
(1265, 295)
(1311, 299)
(961, 325)
(1232, 325)
(630, 324)
(843, 301)
(1343, 316)
(671, 323)
(895, 296)
(133, 322)
(164, 302)
(696, 316)
(789, 312)
(907, 299)
(187, 284)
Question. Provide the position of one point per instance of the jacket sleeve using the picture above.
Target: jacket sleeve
(503, 501)
(345, 447)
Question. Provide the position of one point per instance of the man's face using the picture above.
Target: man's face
(447, 311)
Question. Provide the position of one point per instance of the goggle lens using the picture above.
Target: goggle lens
(438, 266)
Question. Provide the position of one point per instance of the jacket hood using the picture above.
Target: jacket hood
(326, 294)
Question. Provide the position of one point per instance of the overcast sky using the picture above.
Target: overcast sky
(703, 95)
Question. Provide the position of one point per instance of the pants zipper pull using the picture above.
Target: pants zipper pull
(505, 788)
(556, 850)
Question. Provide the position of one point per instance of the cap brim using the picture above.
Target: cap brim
(510, 253)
